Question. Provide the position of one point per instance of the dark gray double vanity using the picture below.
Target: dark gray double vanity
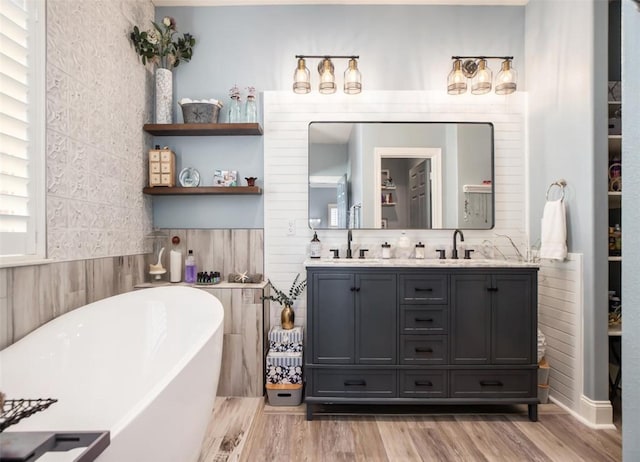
(421, 332)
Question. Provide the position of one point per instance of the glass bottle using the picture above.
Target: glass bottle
(190, 271)
(315, 249)
(250, 107)
(235, 109)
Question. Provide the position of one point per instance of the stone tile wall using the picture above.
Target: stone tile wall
(98, 97)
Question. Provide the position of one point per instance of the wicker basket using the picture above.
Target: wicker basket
(200, 113)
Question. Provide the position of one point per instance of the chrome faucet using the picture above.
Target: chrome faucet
(349, 239)
(454, 253)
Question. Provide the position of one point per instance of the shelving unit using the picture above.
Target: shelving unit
(202, 190)
(244, 129)
(240, 129)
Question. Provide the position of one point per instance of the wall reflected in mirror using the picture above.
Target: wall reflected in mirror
(401, 175)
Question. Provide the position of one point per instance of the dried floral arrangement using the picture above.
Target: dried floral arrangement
(161, 46)
(294, 292)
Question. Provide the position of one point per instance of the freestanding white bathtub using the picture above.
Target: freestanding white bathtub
(143, 365)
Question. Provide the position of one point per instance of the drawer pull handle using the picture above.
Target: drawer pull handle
(426, 383)
(355, 383)
(492, 289)
(424, 350)
(423, 319)
(355, 289)
(491, 383)
(420, 289)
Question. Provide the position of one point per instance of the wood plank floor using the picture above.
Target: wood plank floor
(248, 429)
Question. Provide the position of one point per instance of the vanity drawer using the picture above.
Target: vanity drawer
(421, 349)
(357, 384)
(424, 319)
(429, 289)
(493, 384)
(423, 384)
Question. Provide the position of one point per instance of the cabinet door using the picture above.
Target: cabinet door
(333, 317)
(470, 319)
(376, 318)
(512, 323)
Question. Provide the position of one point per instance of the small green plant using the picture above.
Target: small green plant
(294, 292)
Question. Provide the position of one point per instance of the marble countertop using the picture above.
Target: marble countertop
(416, 263)
(220, 285)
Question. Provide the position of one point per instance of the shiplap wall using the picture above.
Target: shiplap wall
(286, 119)
(560, 320)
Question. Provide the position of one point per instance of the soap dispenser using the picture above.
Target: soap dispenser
(420, 251)
(315, 248)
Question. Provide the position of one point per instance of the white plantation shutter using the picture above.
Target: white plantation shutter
(22, 128)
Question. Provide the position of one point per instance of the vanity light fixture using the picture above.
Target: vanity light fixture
(352, 78)
(476, 69)
(301, 78)
(327, 77)
(326, 70)
(456, 82)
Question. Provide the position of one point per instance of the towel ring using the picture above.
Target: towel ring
(561, 184)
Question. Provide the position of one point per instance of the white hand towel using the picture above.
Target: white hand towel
(553, 240)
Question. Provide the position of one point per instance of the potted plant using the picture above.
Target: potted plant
(160, 46)
(287, 316)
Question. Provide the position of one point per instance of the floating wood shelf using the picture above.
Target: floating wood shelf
(203, 129)
(202, 190)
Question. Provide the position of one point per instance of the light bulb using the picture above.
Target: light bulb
(327, 78)
(506, 79)
(481, 82)
(352, 78)
(456, 82)
(301, 78)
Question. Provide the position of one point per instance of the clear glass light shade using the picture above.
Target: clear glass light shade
(506, 80)
(352, 78)
(327, 77)
(481, 82)
(301, 78)
(456, 82)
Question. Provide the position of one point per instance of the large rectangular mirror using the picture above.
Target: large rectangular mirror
(401, 175)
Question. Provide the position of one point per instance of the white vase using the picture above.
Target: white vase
(164, 96)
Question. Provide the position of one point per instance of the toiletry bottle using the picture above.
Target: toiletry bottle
(190, 268)
(420, 251)
(315, 249)
(175, 266)
(386, 250)
(403, 246)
